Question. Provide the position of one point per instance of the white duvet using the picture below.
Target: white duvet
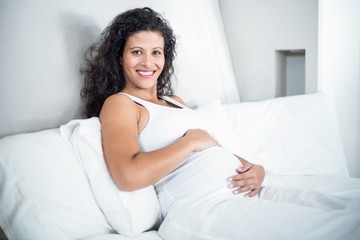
(329, 192)
(323, 191)
(289, 207)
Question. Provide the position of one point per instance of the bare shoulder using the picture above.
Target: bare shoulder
(117, 104)
(178, 99)
(119, 100)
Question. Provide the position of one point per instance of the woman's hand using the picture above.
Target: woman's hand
(248, 179)
(200, 139)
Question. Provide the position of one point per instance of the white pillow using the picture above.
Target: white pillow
(129, 213)
(290, 135)
(44, 194)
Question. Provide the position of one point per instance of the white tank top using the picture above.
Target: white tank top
(166, 124)
(202, 174)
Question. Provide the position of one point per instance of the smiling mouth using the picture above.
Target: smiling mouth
(145, 73)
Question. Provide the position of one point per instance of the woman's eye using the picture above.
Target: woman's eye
(136, 52)
(157, 52)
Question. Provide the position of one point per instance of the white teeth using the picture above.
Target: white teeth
(145, 73)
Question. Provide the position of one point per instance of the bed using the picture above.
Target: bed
(54, 183)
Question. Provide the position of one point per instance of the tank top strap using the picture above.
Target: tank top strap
(135, 99)
(176, 103)
(145, 103)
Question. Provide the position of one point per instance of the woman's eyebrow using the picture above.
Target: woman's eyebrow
(135, 47)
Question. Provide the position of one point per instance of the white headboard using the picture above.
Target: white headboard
(43, 42)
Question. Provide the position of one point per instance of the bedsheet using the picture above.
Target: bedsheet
(304, 207)
(321, 191)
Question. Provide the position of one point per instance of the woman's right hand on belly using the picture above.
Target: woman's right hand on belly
(201, 139)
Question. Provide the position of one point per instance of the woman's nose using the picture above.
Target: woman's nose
(147, 62)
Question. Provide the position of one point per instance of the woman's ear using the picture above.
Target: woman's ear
(120, 61)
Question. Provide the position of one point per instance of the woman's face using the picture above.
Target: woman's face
(143, 59)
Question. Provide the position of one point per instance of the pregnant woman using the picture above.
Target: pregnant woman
(150, 137)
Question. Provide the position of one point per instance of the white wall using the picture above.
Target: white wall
(339, 69)
(256, 29)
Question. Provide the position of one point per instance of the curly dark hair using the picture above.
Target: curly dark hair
(103, 71)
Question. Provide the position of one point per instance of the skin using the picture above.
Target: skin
(122, 121)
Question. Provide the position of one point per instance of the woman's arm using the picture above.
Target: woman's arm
(130, 168)
(249, 178)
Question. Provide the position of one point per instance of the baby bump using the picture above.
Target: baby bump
(203, 173)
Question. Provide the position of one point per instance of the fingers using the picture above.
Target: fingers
(242, 186)
(244, 168)
(245, 181)
(253, 193)
(250, 191)
(248, 177)
(244, 175)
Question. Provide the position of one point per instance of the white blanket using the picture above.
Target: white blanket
(289, 207)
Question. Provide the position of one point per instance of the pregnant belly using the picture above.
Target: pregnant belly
(203, 173)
